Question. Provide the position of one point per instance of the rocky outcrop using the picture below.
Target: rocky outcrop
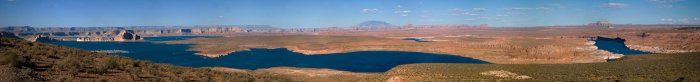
(92, 39)
(39, 38)
(126, 35)
(120, 35)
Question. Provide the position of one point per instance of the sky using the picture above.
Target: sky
(343, 13)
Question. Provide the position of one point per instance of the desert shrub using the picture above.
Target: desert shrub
(14, 60)
(69, 63)
(7, 58)
(26, 72)
(106, 64)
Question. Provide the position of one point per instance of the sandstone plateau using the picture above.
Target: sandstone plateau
(496, 45)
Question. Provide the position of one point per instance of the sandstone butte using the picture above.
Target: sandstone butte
(497, 45)
(121, 35)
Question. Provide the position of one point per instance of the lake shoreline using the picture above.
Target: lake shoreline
(259, 58)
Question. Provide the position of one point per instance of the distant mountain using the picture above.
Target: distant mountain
(256, 27)
(374, 24)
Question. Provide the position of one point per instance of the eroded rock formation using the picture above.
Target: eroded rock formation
(120, 35)
(40, 38)
(126, 35)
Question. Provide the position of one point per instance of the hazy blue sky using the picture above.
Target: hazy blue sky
(324, 13)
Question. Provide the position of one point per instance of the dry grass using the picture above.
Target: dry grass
(657, 67)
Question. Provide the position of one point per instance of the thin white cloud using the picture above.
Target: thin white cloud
(370, 11)
(558, 6)
(665, 4)
(680, 20)
(469, 19)
(614, 5)
(544, 8)
(666, 19)
(485, 17)
(478, 9)
(514, 13)
(510, 9)
(457, 10)
(403, 12)
(665, 1)
(468, 12)
(425, 16)
(526, 9)
(10, 0)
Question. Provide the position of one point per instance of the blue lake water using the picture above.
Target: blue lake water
(616, 45)
(170, 38)
(417, 39)
(177, 54)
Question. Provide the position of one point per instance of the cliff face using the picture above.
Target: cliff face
(126, 35)
(120, 35)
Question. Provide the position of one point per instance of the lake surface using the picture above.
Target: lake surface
(177, 54)
(417, 39)
(616, 45)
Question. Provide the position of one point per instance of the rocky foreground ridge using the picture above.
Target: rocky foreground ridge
(24, 61)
